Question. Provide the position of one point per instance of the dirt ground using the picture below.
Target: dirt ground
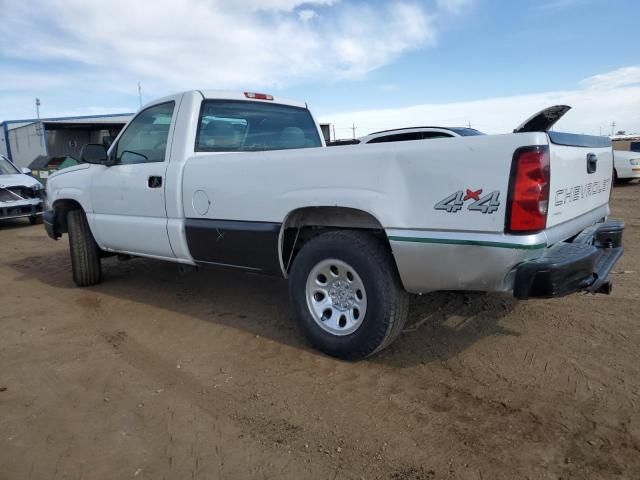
(163, 374)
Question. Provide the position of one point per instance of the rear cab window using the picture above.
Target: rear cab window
(247, 126)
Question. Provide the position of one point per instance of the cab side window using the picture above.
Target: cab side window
(145, 139)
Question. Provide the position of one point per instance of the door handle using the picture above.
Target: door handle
(155, 181)
(592, 162)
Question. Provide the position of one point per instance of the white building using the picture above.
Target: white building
(626, 142)
(24, 140)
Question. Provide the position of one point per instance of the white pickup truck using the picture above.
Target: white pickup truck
(243, 181)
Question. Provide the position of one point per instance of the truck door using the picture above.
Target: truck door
(129, 212)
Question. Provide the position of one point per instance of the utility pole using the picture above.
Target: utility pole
(353, 127)
(469, 124)
(39, 124)
(613, 125)
(333, 126)
(140, 93)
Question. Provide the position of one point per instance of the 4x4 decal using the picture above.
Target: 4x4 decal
(456, 201)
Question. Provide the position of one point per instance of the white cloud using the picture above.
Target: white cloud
(171, 45)
(617, 78)
(593, 109)
(364, 43)
(306, 15)
(283, 5)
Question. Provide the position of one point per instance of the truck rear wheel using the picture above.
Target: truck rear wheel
(85, 254)
(347, 295)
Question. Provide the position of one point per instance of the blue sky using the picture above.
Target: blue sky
(499, 48)
(379, 64)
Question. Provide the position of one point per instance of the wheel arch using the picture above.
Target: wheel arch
(60, 208)
(304, 223)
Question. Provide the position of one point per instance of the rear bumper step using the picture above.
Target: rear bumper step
(568, 267)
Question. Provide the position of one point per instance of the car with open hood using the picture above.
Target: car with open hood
(21, 195)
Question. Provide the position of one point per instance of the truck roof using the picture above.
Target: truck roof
(211, 94)
(231, 95)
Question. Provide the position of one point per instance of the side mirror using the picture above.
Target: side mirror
(94, 153)
(25, 170)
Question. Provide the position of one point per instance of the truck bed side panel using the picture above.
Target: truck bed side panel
(400, 183)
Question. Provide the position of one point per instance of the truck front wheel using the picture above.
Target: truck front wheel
(85, 254)
(347, 295)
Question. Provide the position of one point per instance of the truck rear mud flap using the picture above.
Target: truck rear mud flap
(568, 267)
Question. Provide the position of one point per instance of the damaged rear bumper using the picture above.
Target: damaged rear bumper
(568, 267)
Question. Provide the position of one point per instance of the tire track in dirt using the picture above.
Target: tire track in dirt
(237, 429)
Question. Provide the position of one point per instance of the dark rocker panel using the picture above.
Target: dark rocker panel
(246, 245)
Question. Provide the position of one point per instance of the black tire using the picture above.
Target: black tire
(35, 219)
(387, 301)
(85, 253)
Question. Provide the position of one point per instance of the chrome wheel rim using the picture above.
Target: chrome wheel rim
(336, 297)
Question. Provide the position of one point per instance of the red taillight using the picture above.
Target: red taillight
(529, 190)
(258, 96)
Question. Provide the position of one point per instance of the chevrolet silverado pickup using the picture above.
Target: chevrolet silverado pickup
(242, 180)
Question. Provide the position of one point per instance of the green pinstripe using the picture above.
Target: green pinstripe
(479, 243)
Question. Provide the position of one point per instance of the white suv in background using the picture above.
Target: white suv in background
(410, 133)
(418, 133)
(626, 165)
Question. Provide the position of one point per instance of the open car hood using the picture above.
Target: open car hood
(543, 120)
(17, 180)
